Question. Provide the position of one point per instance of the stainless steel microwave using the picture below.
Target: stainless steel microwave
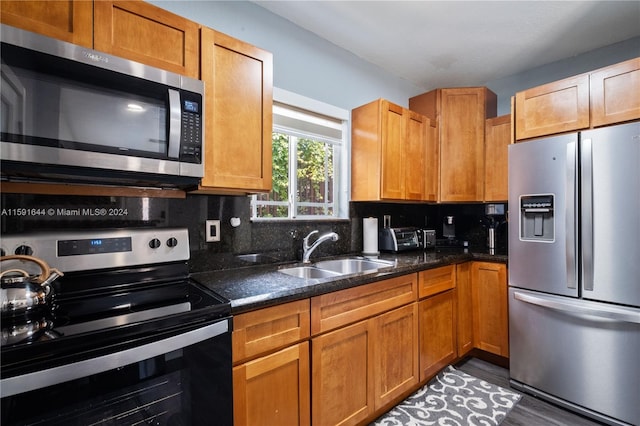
(74, 114)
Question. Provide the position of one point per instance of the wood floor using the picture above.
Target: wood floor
(530, 411)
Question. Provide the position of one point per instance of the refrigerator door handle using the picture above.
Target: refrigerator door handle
(587, 214)
(607, 312)
(570, 218)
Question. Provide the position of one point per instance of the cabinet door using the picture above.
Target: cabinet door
(238, 105)
(415, 151)
(614, 93)
(437, 333)
(393, 146)
(557, 107)
(464, 309)
(490, 313)
(341, 368)
(497, 139)
(145, 33)
(70, 21)
(274, 389)
(395, 353)
(462, 119)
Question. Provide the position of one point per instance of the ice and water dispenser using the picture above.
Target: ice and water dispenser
(536, 217)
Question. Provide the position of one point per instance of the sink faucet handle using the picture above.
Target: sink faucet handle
(305, 241)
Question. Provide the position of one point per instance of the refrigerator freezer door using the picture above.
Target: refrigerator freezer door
(543, 215)
(584, 353)
(610, 160)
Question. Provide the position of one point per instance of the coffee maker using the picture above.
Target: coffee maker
(449, 228)
(493, 212)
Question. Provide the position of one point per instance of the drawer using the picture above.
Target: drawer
(333, 310)
(267, 329)
(436, 280)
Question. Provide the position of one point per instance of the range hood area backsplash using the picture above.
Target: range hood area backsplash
(277, 240)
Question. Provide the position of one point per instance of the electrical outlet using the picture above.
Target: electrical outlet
(212, 231)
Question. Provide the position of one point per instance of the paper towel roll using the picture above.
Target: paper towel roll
(370, 235)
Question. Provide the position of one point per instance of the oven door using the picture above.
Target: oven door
(184, 379)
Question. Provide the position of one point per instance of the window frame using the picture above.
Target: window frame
(342, 175)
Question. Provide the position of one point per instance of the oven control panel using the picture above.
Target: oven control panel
(84, 250)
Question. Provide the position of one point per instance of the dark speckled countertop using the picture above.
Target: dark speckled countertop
(256, 287)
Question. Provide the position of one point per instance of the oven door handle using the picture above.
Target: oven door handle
(53, 376)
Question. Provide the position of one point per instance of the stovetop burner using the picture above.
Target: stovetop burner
(118, 285)
(118, 308)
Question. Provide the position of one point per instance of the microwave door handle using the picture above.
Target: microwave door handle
(175, 121)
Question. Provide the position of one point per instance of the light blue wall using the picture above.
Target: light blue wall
(310, 66)
(508, 86)
(302, 62)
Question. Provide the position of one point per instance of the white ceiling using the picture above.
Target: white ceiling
(463, 43)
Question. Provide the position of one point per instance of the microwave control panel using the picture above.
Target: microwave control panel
(191, 132)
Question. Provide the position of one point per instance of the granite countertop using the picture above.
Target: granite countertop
(254, 287)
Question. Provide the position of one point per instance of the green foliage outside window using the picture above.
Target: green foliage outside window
(314, 173)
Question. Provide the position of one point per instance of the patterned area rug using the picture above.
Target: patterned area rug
(452, 398)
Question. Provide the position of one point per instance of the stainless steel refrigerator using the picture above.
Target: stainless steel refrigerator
(574, 271)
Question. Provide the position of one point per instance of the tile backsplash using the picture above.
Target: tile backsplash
(281, 240)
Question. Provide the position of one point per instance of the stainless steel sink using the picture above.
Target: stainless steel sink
(352, 266)
(336, 268)
(308, 272)
(255, 258)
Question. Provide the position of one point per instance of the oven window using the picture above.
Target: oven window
(189, 386)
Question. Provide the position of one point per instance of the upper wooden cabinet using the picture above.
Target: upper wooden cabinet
(605, 96)
(134, 30)
(496, 171)
(70, 21)
(390, 147)
(615, 93)
(556, 107)
(461, 114)
(238, 115)
(145, 33)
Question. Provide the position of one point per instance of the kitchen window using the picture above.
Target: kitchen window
(310, 158)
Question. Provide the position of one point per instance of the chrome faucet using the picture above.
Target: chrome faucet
(308, 249)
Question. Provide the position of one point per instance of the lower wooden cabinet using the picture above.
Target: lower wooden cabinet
(274, 389)
(395, 355)
(490, 309)
(341, 370)
(364, 367)
(464, 310)
(364, 349)
(437, 333)
(271, 366)
(370, 346)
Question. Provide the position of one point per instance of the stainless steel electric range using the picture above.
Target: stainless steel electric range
(126, 338)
